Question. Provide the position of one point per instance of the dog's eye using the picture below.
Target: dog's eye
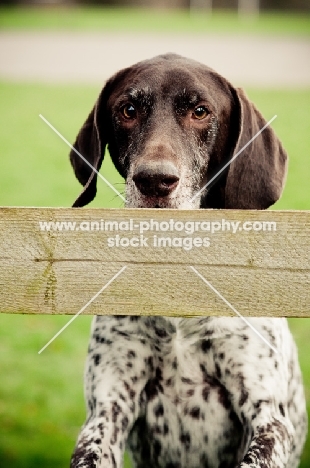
(129, 111)
(200, 113)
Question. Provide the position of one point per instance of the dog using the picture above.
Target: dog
(178, 392)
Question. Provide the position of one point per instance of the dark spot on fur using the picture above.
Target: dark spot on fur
(116, 410)
(244, 394)
(122, 397)
(161, 332)
(195, 412)
(258, 404)
(185, 439)
(223, 397)
(113, 460)
(264, 445)
(159, 410)
(204, 460)
(119, 332)
(134, 318)
(89, 458)
(114, 435)
(206, 393)
(248, 459)
(243, 417)
(151, 389)
(218, 371)
(97, 359)
(243, 397)
(149, 362)
(130, 390)
(159, 373)
(187, 381)
(157, 448)
(206, 345)
(125, 422)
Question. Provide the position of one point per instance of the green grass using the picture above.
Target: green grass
(40, 408)
(120, 19)
(42, 156)
(41, 396)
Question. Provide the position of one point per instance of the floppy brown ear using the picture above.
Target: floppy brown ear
(255, 179)
(89, 151)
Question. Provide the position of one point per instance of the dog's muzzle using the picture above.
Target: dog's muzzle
(156, 178)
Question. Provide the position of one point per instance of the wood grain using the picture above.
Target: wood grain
(260, 272)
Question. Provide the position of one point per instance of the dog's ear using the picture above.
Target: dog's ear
(87, 149)
(90, 146)
(255, 179)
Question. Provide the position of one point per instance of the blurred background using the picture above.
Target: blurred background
(54, 58)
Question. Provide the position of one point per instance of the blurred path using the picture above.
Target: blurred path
(93, 57)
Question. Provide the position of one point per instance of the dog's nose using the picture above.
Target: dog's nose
(156, 178)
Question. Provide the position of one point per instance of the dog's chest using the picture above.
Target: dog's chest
(184, 406)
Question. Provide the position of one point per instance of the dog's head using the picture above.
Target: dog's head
(171, 124)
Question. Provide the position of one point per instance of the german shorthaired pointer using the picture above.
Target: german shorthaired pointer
(200, 392)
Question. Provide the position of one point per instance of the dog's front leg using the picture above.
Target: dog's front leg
(116, 373)
(271, 444)
(257, 381)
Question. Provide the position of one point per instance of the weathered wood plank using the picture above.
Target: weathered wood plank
(260, 272)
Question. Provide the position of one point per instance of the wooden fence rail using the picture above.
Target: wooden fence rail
(262, 269)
